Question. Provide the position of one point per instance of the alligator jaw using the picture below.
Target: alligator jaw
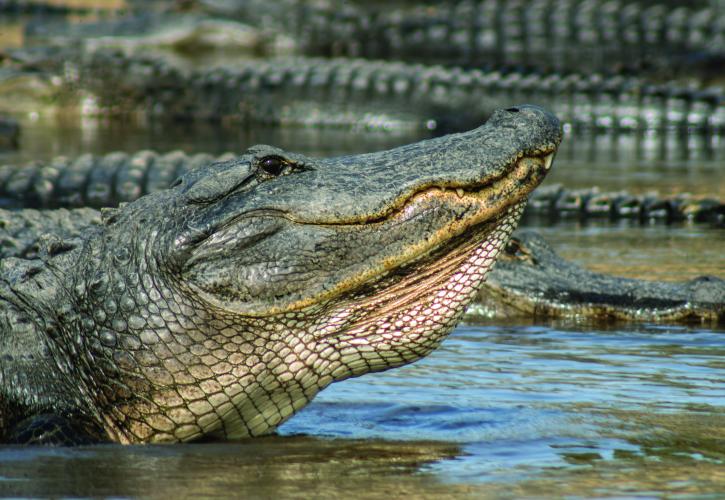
(404, 314)
(405, 317)
(497, 202)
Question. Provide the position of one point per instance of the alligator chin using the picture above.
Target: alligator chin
(406, 314)
(221, 306)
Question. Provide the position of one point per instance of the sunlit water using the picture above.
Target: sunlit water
(554, 409)
(497, 410)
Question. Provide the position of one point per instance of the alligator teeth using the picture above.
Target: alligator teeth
(548, 159)
(459, 192)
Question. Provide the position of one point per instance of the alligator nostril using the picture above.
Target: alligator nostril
(512, 110)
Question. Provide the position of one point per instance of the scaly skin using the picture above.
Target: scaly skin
(106, 181)
(95, 181)
(370, 95)
(222, 305)
(341, 92)
(530, 280)
(585, 35)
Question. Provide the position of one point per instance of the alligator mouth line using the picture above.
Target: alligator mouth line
(483, 204)
(405, 292)
(516, 170)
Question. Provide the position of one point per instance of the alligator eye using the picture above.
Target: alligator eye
(273, 165)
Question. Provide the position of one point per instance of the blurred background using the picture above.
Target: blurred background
(636, 191)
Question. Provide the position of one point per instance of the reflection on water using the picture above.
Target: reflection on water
(550, 409)
(500, 410)
(654, 252)
(263, 468)
(47, 137)
(672, 161)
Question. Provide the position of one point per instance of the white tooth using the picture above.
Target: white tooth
(459, 192)
(548, 159)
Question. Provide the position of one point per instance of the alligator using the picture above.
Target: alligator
(449, 98)
(555, 201)
(377, 95)
(108, 180)
(220, 306)
(678, 39)
(530, 280)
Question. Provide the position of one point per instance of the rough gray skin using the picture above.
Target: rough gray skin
(665, 38)
(105, 181)
(371, 95)
(95, 181)
(530, 280)
(554, 202)
(397, 95)
(221, 306)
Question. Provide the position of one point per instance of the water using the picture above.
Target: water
(550, 409)
(502, 411)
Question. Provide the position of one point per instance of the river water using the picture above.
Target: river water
(505, 409)
(497, 411)
(500, 410)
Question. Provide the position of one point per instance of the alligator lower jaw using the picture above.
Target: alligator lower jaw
(477, 206)
(414, 308)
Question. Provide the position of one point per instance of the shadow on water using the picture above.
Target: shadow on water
(260, 468)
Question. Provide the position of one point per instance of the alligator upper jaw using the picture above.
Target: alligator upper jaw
(517, 181)
(478, 212)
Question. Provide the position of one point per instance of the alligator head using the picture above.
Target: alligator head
(221, 306)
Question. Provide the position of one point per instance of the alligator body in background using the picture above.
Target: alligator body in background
(371, 95)
(105, 181)
(555, 202)
(559, 35)
(661, 38)
(222, 305)
(95, 181)
(531, 280)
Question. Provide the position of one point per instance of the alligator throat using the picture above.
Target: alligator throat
(220, 306)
